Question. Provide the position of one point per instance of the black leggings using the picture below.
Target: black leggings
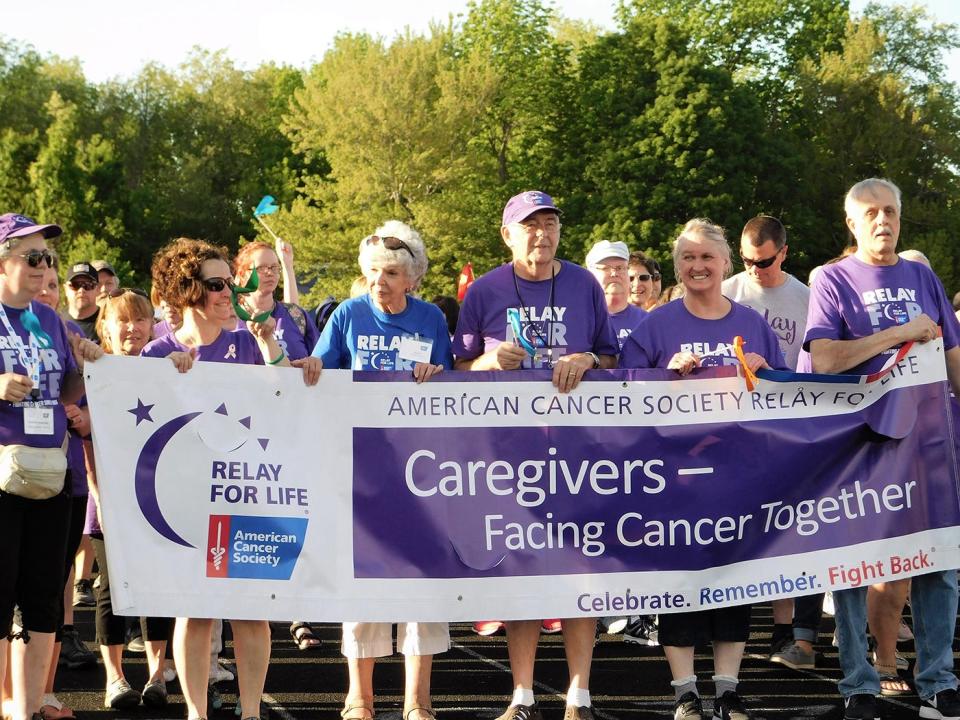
(111, 629)
(33, 535)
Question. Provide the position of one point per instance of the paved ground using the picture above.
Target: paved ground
(472, 680)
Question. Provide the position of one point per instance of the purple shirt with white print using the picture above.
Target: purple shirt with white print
(231, 346)
(577, 321)
(672, 328)
(625, 322)
(851, 299)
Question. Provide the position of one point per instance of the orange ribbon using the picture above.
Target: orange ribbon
(748, 374)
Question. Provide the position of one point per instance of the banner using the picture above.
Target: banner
(236, 491)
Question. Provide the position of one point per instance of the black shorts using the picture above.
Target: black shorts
(33, 535)
(689, 629)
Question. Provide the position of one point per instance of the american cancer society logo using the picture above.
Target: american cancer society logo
(259, 548)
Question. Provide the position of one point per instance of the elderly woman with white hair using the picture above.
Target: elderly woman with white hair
(368, 333)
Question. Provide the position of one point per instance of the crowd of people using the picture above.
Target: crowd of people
(535, 311)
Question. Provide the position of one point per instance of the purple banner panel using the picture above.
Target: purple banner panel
(513, 501)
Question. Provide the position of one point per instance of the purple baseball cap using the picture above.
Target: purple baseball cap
(522, 206)
(13, 225)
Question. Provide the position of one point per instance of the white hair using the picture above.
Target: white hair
(915, 256)
(703, 228)
(414, 262)
(869, 188)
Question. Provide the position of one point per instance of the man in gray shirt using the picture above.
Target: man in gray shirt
(765, 287)
(782, 300)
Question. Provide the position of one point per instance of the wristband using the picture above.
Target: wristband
(280, 357)
(596, 360)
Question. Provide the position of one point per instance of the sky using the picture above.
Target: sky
(115, 38)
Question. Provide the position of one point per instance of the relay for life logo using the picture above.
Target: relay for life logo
(231, 467)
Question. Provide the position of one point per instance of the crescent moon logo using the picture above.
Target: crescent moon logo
(145, 481)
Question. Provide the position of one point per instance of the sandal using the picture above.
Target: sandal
(429, 712)
(891, 684)
(366, 713)
(303, 636)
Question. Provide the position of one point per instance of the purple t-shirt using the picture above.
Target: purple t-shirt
(625, 322)
(851, 299)
(672, 328)
(75, 458)
(161, 328)
(294, 343)
(55, 363)
(231, 346)
(576, 322)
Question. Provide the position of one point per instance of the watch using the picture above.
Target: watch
(596, 360)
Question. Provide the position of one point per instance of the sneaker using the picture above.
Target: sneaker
(729, 706)
(120, 695)
(169, 673)
(83, 594)
(828, 607)
(615, 625)
(795, 657)
(945, 705)
(578, 713)
(778, 644)
(135, 644)
(551, 627)
(74, 654)
(487, 627)
(218, 673)
(52, 709)
(641, 630)
(688, 707)
(154, 694)
(522, 712)
(860, 707)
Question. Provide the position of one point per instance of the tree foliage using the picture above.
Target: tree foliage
(717, 108)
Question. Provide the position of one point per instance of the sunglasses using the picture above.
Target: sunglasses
(80, 284)
(641, 278)
(390, 243)
(216, 284)
(35, 257)
(762, 264)
(123, 291)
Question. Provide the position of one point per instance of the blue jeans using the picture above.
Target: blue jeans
(933, 598)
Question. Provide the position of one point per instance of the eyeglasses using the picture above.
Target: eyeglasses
(79, 284)
(35, 257)
(390, 243)
(272, 269)
(216, 284)
(762, 264)
(612, 269)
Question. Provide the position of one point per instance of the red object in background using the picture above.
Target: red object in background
(466, 279)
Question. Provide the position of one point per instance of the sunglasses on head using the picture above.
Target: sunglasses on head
(81, 283)
(35, 257)
(762, 264)
(391, 243)
(124, 290)
(216, 284)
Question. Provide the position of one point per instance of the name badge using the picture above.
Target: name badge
(38, 420)
(415, 349)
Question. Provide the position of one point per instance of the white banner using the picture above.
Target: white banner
(235, 491)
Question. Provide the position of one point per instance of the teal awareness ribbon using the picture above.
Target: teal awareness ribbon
(235, 292)
(31, 323)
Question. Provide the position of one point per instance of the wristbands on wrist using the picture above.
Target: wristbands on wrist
(279, 357)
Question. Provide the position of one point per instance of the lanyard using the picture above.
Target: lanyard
(544, 342)
(29, 357)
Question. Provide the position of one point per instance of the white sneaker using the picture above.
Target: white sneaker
(218, 673)
(169, 674)
(828, 606)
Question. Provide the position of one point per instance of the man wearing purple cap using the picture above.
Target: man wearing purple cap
(564, 324)
(862, 309)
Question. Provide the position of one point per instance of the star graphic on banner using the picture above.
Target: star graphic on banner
(141, 412)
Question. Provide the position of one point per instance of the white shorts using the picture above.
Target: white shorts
(374, 639)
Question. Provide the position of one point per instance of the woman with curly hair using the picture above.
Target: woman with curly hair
(194, 276)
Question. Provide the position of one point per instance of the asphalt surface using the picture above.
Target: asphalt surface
(472, 680)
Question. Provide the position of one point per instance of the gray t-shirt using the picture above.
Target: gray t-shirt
(784, 308)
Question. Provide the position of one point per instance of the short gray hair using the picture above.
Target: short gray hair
(869, 188)
(414, 262)
(701, 227)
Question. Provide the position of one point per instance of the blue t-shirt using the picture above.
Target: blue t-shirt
(360, 336)
(56, 362)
